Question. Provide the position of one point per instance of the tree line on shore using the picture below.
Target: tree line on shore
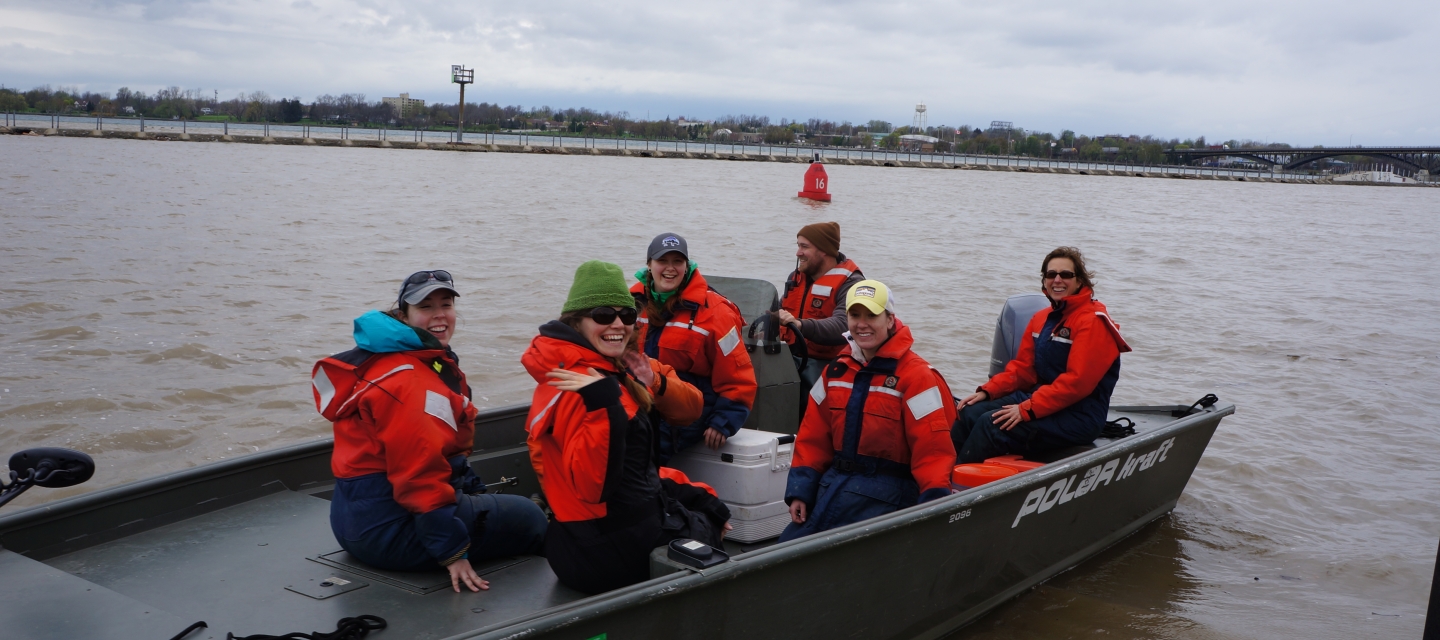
(354, 109)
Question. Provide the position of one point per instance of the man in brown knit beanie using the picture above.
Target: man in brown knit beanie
(810, 306)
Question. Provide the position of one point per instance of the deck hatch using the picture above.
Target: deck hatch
(416, 582)
(328, 587)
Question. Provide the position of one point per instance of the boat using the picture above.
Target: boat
(244, 545)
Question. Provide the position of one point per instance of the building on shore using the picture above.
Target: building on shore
(404, 105)
(917, 143)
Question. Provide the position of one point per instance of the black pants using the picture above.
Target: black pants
(593, 556)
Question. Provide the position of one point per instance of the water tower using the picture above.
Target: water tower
(918, 127)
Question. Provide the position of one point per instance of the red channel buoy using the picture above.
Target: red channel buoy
(817, 183)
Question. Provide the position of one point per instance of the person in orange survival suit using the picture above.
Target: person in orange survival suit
(405, 496)
(876, 436)
(1056, 392)
(674, 399)
(689, 326)
(591, 442)
(809, 306)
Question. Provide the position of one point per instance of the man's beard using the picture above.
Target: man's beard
(811, 268)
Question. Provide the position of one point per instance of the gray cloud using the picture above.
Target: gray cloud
(1307, 72)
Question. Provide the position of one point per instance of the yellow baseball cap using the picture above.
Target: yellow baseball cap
(871, 293)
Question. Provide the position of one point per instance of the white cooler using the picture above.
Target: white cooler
(749, 474)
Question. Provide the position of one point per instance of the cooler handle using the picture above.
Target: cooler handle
(775, 453)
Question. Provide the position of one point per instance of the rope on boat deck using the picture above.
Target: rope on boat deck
(1118, 428)
(190, 629)
(347, 629)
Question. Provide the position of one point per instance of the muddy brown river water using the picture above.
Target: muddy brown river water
(162, 304)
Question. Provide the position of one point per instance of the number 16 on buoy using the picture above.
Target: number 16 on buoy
(817, 183)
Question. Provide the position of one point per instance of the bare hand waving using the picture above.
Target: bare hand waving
(566, 380)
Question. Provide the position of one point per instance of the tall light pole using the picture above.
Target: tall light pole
(461, 76)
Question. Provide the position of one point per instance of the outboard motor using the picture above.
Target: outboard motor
(1010, 327)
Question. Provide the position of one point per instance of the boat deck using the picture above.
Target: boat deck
(259, 567)
(271, 565)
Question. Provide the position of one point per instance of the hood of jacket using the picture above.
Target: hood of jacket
(1084, 302)
(379, 332)
(560, 347)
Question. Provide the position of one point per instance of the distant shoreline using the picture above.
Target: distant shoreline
(650, 153)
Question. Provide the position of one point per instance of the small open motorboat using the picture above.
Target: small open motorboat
(245, 545)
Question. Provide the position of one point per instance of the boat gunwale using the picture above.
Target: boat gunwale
(129, 491)
(558, 617)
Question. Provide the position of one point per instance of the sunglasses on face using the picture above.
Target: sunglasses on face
(606, 315)
(421, 277)
(1050, 275)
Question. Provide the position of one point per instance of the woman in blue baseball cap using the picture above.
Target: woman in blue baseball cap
(689, 326)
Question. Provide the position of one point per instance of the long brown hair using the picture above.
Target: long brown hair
(657, 312)
(574, 320)
(1084, 275)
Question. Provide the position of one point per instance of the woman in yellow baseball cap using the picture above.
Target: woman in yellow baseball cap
(876, 434)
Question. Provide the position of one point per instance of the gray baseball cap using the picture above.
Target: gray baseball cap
(422, 283)
(665, 243)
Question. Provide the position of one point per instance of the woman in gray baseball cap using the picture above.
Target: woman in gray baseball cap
(405, 497)
(688, 325)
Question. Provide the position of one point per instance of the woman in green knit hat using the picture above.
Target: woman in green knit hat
(592, 438)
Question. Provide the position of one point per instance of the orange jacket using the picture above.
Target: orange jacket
(675, 400)
(702, 341)
(1094, 343)
(905, 417)
(816, 301)
(394, 415)
(578, 439)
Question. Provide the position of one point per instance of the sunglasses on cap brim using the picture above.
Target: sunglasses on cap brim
(421, 277)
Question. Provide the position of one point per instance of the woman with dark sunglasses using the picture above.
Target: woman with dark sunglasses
(1055, 394)
(405, 497)
(592, 440)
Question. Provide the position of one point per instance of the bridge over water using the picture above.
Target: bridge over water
(1414, 158)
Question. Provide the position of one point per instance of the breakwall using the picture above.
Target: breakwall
(636, 153)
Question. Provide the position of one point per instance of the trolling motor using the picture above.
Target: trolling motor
(49, 467)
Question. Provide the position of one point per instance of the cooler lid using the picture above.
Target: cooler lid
(745, 445)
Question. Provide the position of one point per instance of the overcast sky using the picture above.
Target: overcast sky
(1313, 72)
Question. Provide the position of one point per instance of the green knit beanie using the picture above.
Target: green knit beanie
(598, 284)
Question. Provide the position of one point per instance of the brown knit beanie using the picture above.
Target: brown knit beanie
(824, 235)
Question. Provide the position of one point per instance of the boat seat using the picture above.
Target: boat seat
(1060, 454)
